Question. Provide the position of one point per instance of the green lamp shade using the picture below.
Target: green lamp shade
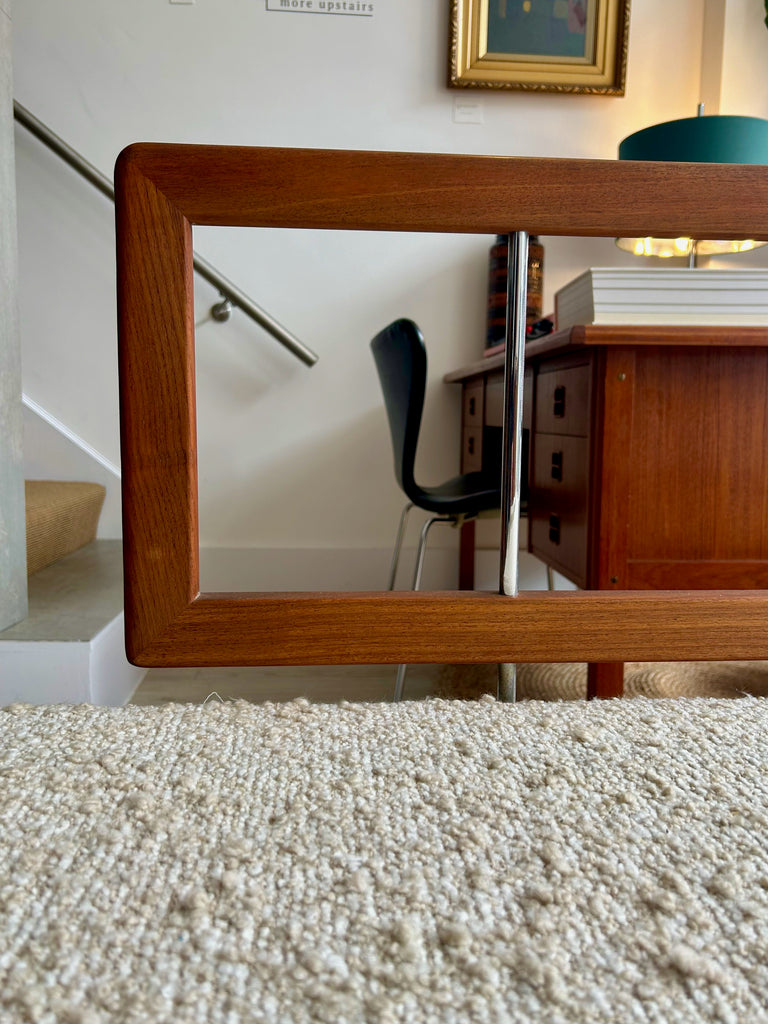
(720, 139)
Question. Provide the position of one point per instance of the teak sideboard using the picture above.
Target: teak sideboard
(647, 465)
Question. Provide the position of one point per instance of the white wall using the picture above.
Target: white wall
(745, 59)
(291, 457)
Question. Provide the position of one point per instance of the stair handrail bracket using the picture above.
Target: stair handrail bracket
(209, 273)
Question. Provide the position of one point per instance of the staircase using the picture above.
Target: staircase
(70, 648)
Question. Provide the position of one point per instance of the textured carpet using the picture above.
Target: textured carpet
(444, 861)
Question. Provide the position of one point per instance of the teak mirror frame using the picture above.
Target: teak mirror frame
(162, 190)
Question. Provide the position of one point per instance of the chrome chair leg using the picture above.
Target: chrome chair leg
(398, 545)
(402, 669)
(423, 546)
(550, 578)
(400, 682)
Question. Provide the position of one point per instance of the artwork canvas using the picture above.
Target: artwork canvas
(552, 29)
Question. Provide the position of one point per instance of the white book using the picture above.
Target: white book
(611, 295)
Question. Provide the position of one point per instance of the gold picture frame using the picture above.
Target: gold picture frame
(569, 46)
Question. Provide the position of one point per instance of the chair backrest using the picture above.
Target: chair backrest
(401, 362)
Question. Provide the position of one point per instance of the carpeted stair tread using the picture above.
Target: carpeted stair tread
(61, 517)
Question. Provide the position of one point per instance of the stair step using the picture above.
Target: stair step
(74, 599)
(71, 647)
(62, 516)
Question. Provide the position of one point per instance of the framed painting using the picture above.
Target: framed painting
(576, 46)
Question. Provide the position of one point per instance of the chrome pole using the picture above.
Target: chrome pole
(512, 434)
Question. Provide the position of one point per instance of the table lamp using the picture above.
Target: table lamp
(718, 138)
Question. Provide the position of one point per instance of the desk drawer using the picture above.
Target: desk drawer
(559, 502)
(560, 540)
(494, 400)
(472, 405)
(562, 401)
(560, 468)
(472, 450)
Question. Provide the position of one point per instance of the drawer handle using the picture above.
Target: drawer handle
(557, 465)
(559, 408)
(472, 404)
(554, 529)
(471, 444)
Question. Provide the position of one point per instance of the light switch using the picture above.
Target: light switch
(467, 111)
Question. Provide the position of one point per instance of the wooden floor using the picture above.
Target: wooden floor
(322, 684)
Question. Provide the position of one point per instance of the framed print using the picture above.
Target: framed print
(577, 46)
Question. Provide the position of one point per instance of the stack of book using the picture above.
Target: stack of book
(613, 295)
(496, 327)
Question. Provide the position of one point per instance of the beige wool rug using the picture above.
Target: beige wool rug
(641, 679)
(437, 861)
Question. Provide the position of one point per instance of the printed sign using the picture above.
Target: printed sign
(350, 8)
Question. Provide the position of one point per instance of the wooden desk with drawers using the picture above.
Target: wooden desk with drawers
(647, 458)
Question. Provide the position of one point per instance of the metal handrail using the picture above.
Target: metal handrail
(230, 292)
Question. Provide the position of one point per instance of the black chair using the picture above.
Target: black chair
(401, 361)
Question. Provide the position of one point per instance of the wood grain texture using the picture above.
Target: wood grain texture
(361, 190)
(157, 408)
(161, 190)
(612, 430)
(674, 335)
(699, 474)
(669, 336)
(678, 574)
(462, 627)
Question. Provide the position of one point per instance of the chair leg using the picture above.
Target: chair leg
(506, 685)
(402, 669)
(400, 682)
(398, 545)
(423, 547)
